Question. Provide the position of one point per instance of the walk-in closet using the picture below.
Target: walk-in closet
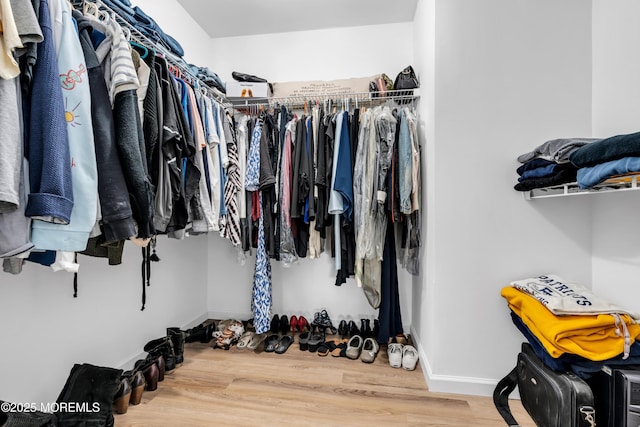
(439, 229)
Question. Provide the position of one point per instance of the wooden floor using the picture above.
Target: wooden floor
(247, 388)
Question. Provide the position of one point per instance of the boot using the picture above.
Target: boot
(365, 328)
(162, 346)
(177, 338)
(149, 369)
(376, 328)
(93, 386)
(201, 333)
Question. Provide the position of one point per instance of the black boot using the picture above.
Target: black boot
(93, 389)
(177, 338)
(163, 346)
(201, 333)
(365, 328)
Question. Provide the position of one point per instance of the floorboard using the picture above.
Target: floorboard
(249, 388)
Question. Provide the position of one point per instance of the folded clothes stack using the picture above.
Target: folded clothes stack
(587, 161)
(548, 164)
(570, 328)
(208, 77)
(607, 158)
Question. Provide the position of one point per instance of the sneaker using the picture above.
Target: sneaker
(409, 357)
(369, 350)
(394, 351)
(354, 347)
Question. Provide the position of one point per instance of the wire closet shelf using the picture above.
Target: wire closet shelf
(354, 99)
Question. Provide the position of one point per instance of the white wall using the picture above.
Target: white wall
(176, 22)
(325, 55)
(616, 89)
(46, 330)
(336, 53)
(508, 76)
(422, 286)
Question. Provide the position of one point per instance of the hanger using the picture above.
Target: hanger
(90, 9)
(144, 52)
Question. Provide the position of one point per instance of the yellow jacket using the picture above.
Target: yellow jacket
(595, 337)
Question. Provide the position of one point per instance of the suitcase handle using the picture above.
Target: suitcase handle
(501, 396)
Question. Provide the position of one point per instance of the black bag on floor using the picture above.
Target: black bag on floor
(552, 399)
(87, 397)
(21, 418)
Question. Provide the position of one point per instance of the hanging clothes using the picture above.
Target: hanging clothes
(233, 186)
(389, 315)
(116, 217)
(76, 96)
(288, 254)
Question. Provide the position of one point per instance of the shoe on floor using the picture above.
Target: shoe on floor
(394, 351)
(271, 342)
(369, 350)
(409, 357)
(244, 340)
(354, 347)
(283, 344)
(256, 340)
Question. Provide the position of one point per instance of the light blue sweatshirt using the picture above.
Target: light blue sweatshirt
(73, 237)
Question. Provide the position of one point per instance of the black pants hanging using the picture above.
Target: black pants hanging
(389, 314)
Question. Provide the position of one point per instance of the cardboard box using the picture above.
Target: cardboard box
(243, 90)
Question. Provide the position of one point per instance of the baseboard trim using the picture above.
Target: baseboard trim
(448, 383)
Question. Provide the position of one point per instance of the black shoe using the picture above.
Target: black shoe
(365, 328)
(343, 329)
(275, 324)
(284, 324)
(201, 333)
(177, 338)
(162, 346)
(376, 328)
(353, 329)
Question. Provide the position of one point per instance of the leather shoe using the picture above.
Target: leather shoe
(122, 397)
(303, 324)
(275, 324)
(284, 324)
(343, 329)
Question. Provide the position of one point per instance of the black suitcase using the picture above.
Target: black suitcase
(616, 393)
(552, 399)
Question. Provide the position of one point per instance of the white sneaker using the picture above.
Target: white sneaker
(409, 357)
(394, 351)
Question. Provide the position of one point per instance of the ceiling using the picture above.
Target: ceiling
(229, 18)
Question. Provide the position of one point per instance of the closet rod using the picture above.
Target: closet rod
(171, 58)
(362, 98)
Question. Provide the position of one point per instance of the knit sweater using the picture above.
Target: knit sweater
(47, 148)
